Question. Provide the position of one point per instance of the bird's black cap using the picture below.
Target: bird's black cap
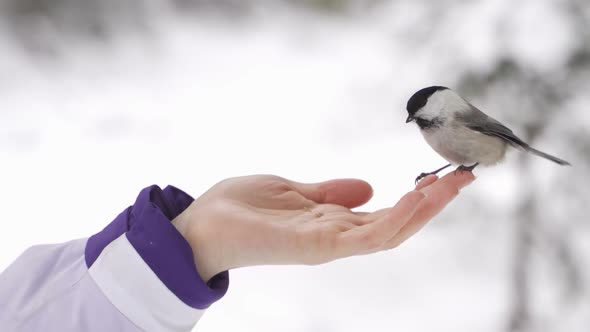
(418, 99)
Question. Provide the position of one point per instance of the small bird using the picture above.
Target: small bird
(461, 133)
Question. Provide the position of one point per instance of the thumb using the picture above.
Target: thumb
(345, 192)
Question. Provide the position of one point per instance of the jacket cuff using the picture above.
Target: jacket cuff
(147, 228)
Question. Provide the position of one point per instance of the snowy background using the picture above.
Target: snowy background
(99, 99)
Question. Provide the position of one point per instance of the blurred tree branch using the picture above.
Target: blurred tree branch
(546, 99)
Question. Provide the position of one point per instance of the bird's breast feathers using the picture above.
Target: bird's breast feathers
(462, 146)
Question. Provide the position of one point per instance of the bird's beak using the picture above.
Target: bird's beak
(409, 119)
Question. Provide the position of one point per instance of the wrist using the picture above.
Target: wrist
(193, 228)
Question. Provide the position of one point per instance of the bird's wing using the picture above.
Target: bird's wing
(479, 121)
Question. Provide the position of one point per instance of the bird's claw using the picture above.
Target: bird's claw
(423, 175)
(459, 169)
(420, 177)
(463, 168)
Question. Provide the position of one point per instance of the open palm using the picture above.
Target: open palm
(266, 219)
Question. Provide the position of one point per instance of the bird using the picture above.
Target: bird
(461, 133)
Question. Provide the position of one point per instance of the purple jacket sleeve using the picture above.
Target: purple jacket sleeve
(137, 274)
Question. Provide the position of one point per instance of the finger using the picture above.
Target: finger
(456, 180)
(377, 214)
(439, 194)
(370, 237)
(346, 192)
(372, 216)
(430, 179)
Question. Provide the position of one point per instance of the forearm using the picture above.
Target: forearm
(136, 274)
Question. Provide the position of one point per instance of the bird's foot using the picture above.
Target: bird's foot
(463, 168)
(421, 176)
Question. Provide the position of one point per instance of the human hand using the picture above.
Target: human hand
(265, 219)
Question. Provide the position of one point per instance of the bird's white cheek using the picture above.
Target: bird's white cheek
(431, 111)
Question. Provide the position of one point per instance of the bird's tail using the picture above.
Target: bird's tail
(547, 156)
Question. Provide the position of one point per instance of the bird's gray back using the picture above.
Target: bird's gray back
(478, 121)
